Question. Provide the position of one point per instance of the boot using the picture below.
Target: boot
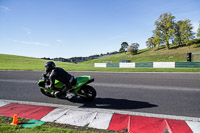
(58, 94)
(70, 95)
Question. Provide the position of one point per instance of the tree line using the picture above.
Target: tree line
(81, 59)
(168, 30)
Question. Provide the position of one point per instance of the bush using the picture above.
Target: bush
(133, 48)
(194, 41)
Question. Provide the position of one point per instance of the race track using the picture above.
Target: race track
(159, 93)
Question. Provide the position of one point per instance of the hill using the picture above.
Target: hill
(13, 62)
(161, 54)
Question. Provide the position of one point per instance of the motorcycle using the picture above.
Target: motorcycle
(80, 89)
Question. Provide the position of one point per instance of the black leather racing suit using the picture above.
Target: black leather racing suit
(61, 75)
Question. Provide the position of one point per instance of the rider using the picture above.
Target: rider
(57, 73)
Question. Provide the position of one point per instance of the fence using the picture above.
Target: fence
(151, 65)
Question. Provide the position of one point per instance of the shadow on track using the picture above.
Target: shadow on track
(110, 103)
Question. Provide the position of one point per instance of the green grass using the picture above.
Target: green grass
(6, 128)
(48, 127)
(12, 62)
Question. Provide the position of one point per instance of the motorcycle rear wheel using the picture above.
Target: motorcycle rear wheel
(89, 93)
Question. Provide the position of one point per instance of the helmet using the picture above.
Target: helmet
(49, 66)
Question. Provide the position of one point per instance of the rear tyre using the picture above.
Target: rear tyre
(89, 93)
(46, 93)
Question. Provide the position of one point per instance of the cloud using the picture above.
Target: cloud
(195, 26)
(59, 41)
(4, 8)
(27, 30)
(32, 43)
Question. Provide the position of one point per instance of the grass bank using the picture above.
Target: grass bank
(161, 54)
(12, 62)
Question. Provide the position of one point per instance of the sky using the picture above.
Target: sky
(74, 28)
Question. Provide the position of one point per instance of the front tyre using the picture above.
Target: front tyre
(88, 92)
(46, 93)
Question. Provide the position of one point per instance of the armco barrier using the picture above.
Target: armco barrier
(99, 64)
(144, 64)
(127, 65)
(163, 64)
(151, 65)
(187, 64)
(112, 65)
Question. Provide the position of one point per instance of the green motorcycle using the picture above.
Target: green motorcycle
(80, 89)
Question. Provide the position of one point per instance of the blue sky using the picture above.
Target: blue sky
(69, 28)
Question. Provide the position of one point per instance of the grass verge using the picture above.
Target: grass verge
(48, 127)
(12, 62)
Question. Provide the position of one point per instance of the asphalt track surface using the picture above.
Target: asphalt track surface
(159, 93)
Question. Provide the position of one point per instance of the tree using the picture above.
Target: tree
(157, 41)
(165, 28)
(133, 48)
(183, 32)
(124, 47)
(178, 33)
(198, 32)
(150, 42)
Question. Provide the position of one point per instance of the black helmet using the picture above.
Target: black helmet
(49, 66)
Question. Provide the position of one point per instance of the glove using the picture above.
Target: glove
(44, 75)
